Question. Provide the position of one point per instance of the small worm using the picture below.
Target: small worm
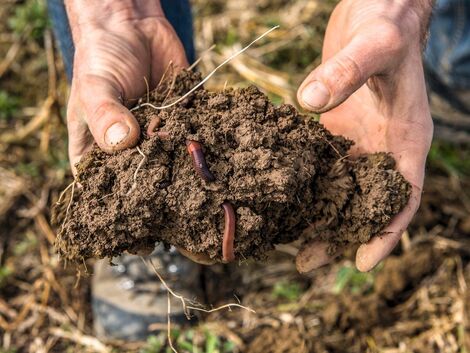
(229, 232)
(199, 162)
(154, 124)
(164, 135)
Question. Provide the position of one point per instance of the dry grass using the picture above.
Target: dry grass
(43, 308)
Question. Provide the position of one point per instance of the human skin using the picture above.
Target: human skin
(370, 88)
(373, 87)
(118, 45)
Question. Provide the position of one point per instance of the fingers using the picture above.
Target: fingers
(314, 255)
(202, 259)
(370, 254)
(98, 114)
(79, 139)
(112, 125)
(411, 159)
(342, 74)
(173, 53)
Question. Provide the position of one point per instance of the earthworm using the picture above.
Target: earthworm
(229, 232)
(199, 162)
(155, 124)
(163, 134)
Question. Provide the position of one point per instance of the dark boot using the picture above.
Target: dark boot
(128, 297)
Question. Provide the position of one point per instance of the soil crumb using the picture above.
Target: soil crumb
(282, 172)
(282, 339)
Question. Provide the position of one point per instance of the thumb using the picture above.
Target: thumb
(95, 103)
(342, 74)
(112, 125)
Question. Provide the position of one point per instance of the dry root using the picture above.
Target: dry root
(231, 57)
(184, 301)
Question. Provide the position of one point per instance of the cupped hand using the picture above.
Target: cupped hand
(118, 45)
(370, 88)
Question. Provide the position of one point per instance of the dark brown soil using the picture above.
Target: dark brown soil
(282, 172)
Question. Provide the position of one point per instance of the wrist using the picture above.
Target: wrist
(88, 14)
(422, 7)
(423, 10)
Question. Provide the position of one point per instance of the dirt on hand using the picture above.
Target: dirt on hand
(282, 173)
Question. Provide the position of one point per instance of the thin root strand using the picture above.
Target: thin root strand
(141, 163)
(231, 57)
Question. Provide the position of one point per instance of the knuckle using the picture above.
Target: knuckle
(102, 110)
(392, 36)
(343, 72)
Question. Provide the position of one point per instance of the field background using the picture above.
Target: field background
(417, 301)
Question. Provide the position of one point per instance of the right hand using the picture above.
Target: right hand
(117, 45)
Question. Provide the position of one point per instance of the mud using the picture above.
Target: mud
(281, 171)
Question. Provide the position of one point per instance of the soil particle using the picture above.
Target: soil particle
(397, 277)
(281, 171)
(349, 311)
(392, 285)
(282, 339)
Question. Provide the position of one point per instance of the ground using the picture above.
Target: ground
(416, 301)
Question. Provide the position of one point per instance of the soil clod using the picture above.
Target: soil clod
(282, 172)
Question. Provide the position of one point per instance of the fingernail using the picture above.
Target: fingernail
(365, 259)
(315, 95)
(116, 133)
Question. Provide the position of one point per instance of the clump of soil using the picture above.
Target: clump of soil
(393, 284)
(281, 171)
(279, 340)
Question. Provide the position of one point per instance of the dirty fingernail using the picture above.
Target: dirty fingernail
(315, 95)
(116, 133)
(365, 259)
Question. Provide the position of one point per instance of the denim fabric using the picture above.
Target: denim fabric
(62, 33)
(448, 51)
(178, 13)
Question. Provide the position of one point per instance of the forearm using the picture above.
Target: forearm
(102, 13)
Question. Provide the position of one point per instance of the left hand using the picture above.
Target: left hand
(370, 88)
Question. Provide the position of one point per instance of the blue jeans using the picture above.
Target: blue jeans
(448, 51)
(178, 13)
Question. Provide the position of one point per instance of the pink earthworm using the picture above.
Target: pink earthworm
(155, 124)
(229, 232)
(199, 162)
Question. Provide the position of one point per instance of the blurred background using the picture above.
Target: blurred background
(416, 301)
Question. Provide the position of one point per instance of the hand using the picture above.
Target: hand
(118, 45)
(370, 88)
